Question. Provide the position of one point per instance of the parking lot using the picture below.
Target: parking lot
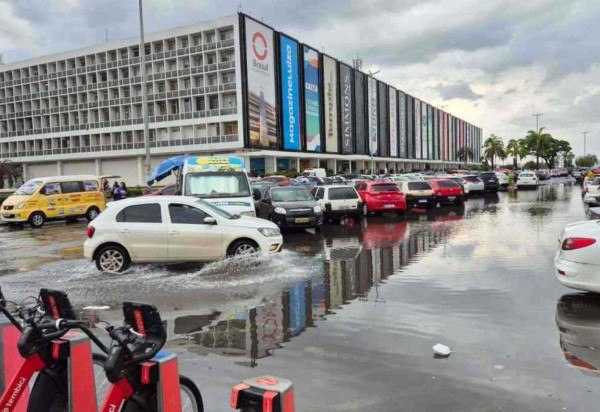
(350, 313)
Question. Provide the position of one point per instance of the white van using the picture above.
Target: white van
(320, 173)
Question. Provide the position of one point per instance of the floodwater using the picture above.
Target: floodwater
(350, 313)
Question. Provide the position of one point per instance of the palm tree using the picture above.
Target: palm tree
(534, 141)
(517, 150)
(493, 147)
(464, 154)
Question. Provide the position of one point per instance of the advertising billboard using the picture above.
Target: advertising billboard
(430, 140)
(290, 93)
(402, 152)
(418, 122)
(312, 100)
(260, 80)
(393, 109)
(346, 109)
(410, 127)
(360, 122)
(330, 82)
(372, 115)
(424, 132)
(384, 139)
(436, 134)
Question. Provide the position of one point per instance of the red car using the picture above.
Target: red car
(381, 197)
(447, 191)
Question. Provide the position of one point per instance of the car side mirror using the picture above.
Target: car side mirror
(256, 194)
(209, 220)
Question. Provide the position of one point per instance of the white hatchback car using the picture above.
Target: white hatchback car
(338, 201)
(173, 229)
(473, 183)
(527, 179)
(577, 261)
(502, 180)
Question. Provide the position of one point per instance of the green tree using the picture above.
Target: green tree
(586, 161)
(534, 141)
(493, 147)
(568, 159)
(530, 165)
(552, 149)
(517, 150)
(464, 154)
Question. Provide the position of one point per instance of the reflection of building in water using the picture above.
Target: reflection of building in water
(256, 332)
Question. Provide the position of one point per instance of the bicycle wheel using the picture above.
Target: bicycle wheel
(102, 383)
(191, 400)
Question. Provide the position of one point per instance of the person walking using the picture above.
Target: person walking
(116, 190)
(123, 188)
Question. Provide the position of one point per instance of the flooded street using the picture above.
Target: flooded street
(350, 313)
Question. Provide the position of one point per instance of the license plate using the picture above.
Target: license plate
(388, 206)
(423, 201)
(344, 207)
(451, 198)
(491, 181)
(302, 220)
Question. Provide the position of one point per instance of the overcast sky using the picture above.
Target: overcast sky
(491, 62)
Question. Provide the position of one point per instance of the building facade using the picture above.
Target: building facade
(229, 86)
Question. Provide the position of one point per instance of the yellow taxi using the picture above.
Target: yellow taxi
(59, 197)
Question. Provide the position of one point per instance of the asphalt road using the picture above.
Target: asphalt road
(350, 314)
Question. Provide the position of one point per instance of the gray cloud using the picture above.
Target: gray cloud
(458, 90)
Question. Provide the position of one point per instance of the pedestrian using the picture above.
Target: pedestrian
(123, 190)
(116, 190)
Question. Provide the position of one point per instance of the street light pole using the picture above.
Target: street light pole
(584, 142)
(537, 130)
(144, 89)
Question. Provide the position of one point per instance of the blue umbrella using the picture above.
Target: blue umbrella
(165, 169)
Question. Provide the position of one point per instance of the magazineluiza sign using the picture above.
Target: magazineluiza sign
(393, 109)
(417, 118)
(290, 96)
(260, 76)
(312, 100)
(402, 124)
(331, 117)
(346, 108)
(372, 113)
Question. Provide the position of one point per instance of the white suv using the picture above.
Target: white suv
(172, 229)
(338, 201)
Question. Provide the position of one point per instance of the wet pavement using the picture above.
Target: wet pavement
(350, 313)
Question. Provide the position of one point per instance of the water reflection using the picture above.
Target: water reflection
(578, 322)
(356, 258)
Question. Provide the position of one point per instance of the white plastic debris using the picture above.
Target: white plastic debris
(441, 350)
(96, 308)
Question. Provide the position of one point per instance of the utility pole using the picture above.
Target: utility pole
(537, 130)
(584, 142)
(144, 89)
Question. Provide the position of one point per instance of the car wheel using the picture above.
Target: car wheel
(365, 210)
(112, 259)
(37, 219)
(92, 213)
(243, 247)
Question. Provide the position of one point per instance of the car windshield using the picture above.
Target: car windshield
(217, 184)
(290, 195)
(217, 210)
(471, 178)
(385, 188)
(28, 188)
(447, 184)
(340, 193)
(418, 186)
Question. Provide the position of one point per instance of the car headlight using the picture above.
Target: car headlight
(279, 210)
(317, 209)
(248, 213)
(270, 231)
(20, 205)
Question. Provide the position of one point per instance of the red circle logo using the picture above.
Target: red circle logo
(266, 380)
(259, 45)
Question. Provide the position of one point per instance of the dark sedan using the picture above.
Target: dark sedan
(490, 181)
(290, 207)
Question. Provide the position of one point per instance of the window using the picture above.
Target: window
(186, 215)
(290, 195)
(418, 186)
(217, 184)
(71, 187)
(342, 193)
(385, 188)
(90, 185)
(320, 193)
(28, 188)
(149, 213)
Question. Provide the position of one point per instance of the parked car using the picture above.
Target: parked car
(502, 180)
(418, 194)
(577, 261)
(527, 179)
(278, 180)
(307, 181)
(58, 197)
(173, 229)
(542, 174)
(338, 201)
(447, 192)
(474, 184)
(463, 185)
(335, 180)
(259, 188)
(591, 192)
(169, 190)
(290, 207)
(381, 197)
(490, 181)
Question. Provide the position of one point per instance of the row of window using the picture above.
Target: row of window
(50, 189)
(151, 213)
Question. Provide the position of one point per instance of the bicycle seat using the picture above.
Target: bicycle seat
(151, 335)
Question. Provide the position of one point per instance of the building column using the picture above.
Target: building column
(25, 172)
(59, 168)
(298, 165)
(140, 161)
(98, 167)
(270, 165)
